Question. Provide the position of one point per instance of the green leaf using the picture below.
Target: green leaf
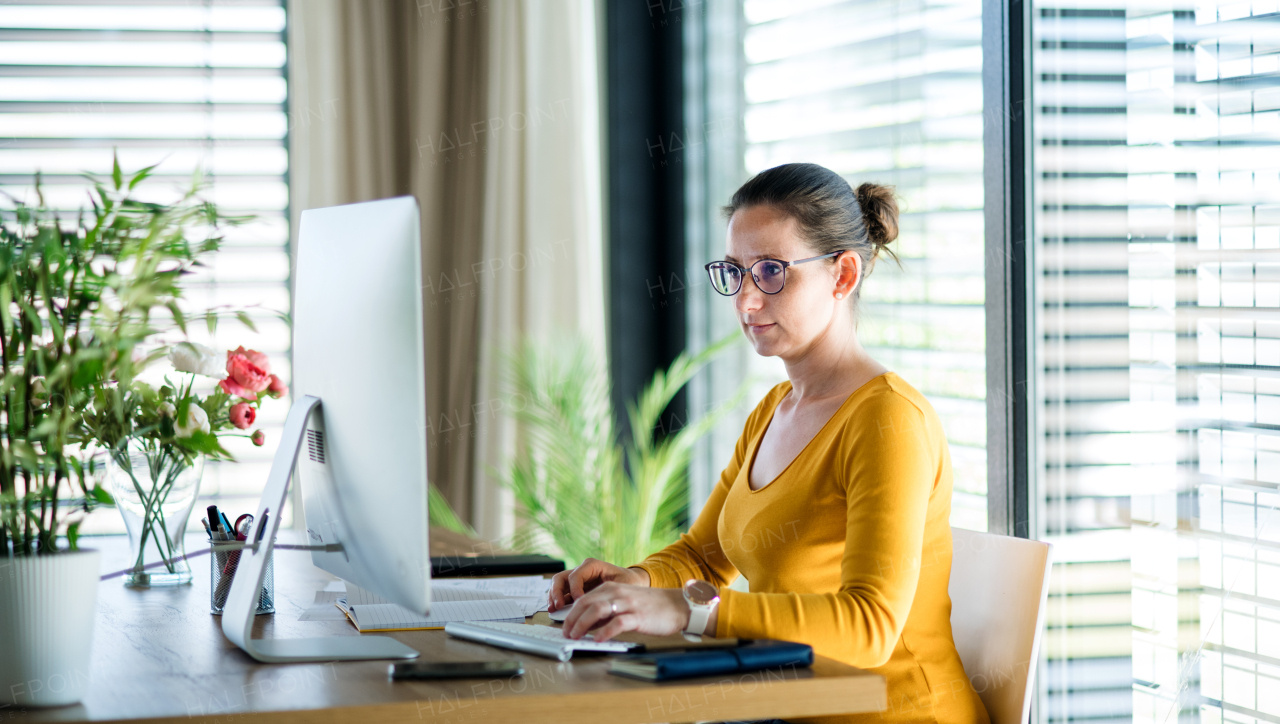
(205, 443)
(244, 319)
(101, 495)
(26, 454)
(141, 175)
(32, 316)
(211, 320)
(179, 318)
(88, 372)
(117, 176)
(6, 299)
(442, 515)
(73, 536)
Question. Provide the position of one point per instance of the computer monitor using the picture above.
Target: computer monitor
(355, 437)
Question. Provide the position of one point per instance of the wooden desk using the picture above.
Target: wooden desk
(159, 655)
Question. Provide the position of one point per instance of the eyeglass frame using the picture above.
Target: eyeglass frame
(749, 271)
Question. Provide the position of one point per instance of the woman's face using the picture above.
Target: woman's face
(788, 323)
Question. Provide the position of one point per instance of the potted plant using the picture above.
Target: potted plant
(582, 494)
(76, 299)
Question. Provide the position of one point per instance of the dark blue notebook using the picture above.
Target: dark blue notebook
(759, 654)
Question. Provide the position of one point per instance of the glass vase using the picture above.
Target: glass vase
(155, 489)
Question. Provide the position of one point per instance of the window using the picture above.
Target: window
(1157, 235)
(882, 92)
(185, 85)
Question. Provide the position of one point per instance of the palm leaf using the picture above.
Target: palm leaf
(577, 497)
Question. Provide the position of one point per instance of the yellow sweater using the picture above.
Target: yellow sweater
(847, 550)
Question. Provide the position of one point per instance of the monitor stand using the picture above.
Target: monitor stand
(237, 616)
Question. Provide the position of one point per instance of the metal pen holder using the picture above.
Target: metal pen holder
(223, 561)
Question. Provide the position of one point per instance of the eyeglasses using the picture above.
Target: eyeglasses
(726, 277)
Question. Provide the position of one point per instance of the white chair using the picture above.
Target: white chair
(998, 589)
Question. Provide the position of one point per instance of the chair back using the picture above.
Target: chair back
(998, 589)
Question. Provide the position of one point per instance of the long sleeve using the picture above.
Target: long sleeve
(698, 554)
(848, 550)
(886, 461)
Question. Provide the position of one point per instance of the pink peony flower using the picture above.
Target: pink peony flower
(258, 438)
(277, 388)
(245, 378)
(231, 388)
(242, 415)
(257, 358)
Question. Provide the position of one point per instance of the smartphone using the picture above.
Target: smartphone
(455, 669)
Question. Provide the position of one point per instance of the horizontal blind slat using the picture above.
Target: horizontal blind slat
(891, 93)
(187, 86)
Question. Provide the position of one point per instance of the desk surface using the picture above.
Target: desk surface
(159, 655)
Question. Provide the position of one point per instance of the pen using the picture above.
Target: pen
(243, 524)
(230, 562)
(240, 532)
(217, 534)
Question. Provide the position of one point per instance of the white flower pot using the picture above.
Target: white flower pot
(46, 627)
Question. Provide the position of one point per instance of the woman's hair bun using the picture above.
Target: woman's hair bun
(823, 203)
(880, 211)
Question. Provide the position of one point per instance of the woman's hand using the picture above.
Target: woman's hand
(621, 607)
(569, 586)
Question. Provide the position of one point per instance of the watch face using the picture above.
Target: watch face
(700, 592)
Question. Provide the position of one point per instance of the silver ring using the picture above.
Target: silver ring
(614, 608)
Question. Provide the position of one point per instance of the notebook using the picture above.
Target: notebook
(392, 617)
(753, 656)
(515, 590)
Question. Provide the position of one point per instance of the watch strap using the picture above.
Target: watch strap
(698, 617)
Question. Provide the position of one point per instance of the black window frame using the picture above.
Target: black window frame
(1006, 68)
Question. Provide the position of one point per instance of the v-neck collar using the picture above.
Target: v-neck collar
(755, 446)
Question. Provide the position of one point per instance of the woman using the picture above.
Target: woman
(836, 503)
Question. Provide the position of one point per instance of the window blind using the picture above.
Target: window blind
(187, 85)
(891, 92)
(1156, 226)
(1080, 218)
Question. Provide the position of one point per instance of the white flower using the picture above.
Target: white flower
(196, 420)
(197, 358)
(167, 409)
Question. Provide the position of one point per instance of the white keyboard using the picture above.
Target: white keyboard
(532, 638)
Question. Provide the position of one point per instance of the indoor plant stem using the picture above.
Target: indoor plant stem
(159, 462)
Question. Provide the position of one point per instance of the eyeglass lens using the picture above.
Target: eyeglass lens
(727, 278)
(769, 275)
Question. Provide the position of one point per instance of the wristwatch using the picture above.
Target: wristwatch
(702, 598)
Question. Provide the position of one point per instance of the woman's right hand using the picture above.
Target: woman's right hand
(569, 586)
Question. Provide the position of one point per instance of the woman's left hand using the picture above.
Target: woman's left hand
(618, 607)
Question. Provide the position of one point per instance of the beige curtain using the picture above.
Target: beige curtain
(543, 231)
(487, 113)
